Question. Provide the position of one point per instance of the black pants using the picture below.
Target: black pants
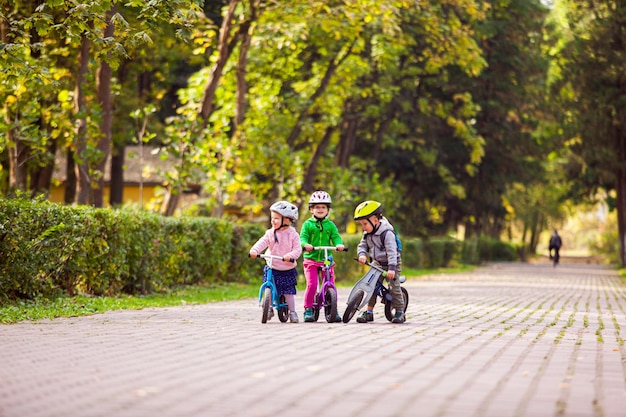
(556, 253)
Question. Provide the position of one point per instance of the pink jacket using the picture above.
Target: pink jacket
(288, 244)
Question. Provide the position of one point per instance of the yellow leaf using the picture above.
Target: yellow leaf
(64, 95)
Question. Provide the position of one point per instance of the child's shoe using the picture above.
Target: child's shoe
(308, 315)
(399, 317)
(338, 318)
(269, 316)
(365, 317)
(293, 317)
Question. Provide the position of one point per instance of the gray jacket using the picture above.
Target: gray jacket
(385, 253)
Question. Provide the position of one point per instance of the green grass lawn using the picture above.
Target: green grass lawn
(16, 311)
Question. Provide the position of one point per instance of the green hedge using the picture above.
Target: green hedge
(48, 249)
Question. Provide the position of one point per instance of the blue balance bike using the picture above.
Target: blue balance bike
(268, 295)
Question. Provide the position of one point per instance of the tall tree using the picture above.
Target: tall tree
(510, 93)
(591, 57)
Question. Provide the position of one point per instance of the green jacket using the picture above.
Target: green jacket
(319, 233)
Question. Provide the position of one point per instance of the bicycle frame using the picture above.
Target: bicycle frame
(371, 284)
(324, 282)
(325, 297)
(269, 282)
(368, 284)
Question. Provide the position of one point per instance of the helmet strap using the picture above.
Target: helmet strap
(282, 225)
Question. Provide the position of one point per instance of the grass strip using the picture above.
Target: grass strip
(15, 311)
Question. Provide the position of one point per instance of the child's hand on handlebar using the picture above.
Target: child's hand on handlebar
(362, 259)
(340, 248)
(308, 247)
(253, 254)
(287, 258)
(390, 275)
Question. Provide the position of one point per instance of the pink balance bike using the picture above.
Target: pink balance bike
(326, 295)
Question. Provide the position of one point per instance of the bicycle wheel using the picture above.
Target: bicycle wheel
(283, 312)
(316, 306)
(353, 303)
(266, 304)
(330, 307)
(390, 312)
(316, 312)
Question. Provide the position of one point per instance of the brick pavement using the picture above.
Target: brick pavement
(505, 340)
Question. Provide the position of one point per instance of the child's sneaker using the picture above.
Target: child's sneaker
(338, 318)
(269, 316)
(365, 317)
(399, 317)
(293, 317)
(308, 315)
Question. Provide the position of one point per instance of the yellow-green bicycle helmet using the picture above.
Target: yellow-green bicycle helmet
(367, 209)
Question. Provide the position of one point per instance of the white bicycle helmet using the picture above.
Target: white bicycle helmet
(320, 197)
(285, 209)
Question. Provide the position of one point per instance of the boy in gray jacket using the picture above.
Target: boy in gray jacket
(381, 246)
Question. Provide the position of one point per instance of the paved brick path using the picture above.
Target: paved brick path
(506, 340)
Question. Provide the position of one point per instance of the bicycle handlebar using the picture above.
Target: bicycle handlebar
(378, 268)
(345, 249)
(280, 258)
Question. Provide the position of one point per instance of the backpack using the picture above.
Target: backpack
(555, 242)
(398, 242)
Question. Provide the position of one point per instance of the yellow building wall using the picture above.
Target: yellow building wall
(132, 194)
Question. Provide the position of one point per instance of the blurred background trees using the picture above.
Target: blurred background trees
(495, 118)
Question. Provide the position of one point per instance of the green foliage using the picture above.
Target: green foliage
(439, 252)
(347, 270)
(485, 249)
(413, 253)
(605, 241)
(48, 250)
(417, 254)
(437, 109)
(243, 237)
(588, 85)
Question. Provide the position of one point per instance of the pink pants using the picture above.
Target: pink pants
(311, 269)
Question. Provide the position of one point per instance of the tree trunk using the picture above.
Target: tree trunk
(42, 179)
(347, 138)
(621, 214)
(309, 178)
(83, 185)
(171, 202)
(106, 104)
(535, 230)
(242, 63)
(330, 71)
(70, 181)
(224, 51)
(116, 194)
(17, 175)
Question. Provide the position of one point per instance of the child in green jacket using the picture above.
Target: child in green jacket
(317, 231)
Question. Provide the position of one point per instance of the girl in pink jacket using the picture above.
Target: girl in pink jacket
(282, 239)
